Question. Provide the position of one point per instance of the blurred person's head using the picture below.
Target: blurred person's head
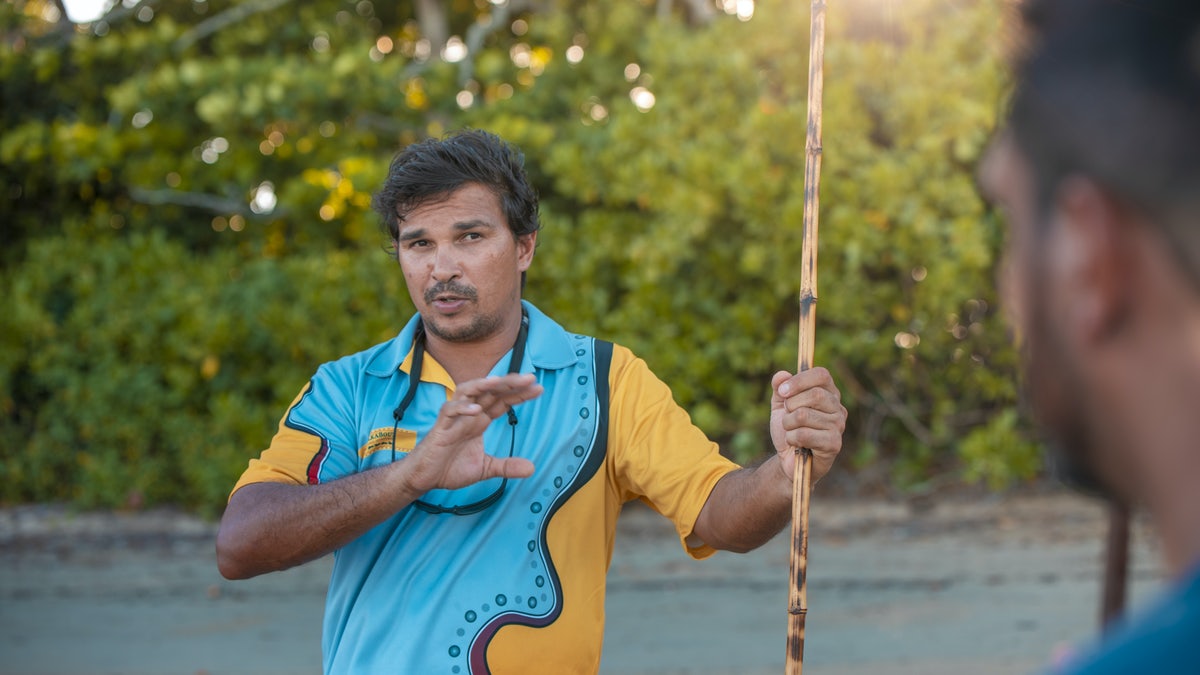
(1098, 172)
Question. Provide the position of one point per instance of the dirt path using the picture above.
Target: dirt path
(977, 586)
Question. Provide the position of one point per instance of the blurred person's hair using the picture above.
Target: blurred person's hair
(1110, 90)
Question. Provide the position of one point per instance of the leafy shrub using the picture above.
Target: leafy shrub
(677, 228)
(155, 325)
(139, 373)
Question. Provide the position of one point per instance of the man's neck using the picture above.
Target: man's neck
(1170, 454)
(1147, 378)
(472, 360)
(1174, 501)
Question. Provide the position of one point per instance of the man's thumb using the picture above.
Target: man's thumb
(511, 467)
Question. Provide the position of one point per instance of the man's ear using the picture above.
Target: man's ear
(1094, 251)
(526, 244)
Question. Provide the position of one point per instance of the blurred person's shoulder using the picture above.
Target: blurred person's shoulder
(1161, 639)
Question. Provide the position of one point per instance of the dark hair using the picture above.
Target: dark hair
(1110, 89)
(433, 169)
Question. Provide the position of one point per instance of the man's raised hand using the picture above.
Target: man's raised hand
(452, 455)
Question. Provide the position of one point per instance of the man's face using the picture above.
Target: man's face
(462, 265)
(1034, 292)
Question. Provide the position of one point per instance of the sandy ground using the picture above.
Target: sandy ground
(981, 586)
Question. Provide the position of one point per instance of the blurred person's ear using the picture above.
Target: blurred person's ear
(1094, 257)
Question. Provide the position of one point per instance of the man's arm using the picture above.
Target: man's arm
(749, 506)
(274, 526)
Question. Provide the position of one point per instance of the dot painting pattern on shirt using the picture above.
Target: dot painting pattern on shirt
(570, 472)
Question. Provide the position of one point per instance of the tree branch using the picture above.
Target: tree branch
(119, 12)
(431, 17)
(200, 200)
(906, 416)
(63, 17)
(480, 30)
(230, 16)
(662, 10)
(64, 30)
(885, 398)
(700, 11)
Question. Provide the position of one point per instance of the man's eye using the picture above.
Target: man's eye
(472, 236)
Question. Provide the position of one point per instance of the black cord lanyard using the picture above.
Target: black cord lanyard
(414, 379)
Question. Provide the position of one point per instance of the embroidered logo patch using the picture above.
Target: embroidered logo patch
(381, 440)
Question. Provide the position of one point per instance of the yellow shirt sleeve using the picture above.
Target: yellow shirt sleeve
(290, 457)
(658, 454)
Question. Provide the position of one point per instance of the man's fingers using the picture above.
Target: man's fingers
(817, 440)
(816, 400)
(817, 416)
(777, 380)
(810, 389)
(818, 425)
(477, 402)
(509, 467)
(495, 395)
(505, 385)
(813, 377)
(461, 408)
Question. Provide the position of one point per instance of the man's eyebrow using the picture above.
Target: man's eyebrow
(465, 225)
(410, 235)
(461, 226)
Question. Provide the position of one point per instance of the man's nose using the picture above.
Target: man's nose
(446, 265)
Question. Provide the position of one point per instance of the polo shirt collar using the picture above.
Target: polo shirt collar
(549, 346)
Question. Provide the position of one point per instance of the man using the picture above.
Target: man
(1099, 173)
(468, 473)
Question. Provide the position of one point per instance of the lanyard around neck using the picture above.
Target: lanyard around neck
(414, 377)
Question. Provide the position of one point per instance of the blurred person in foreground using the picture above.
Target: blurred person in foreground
(1098, 172)
(468, 473)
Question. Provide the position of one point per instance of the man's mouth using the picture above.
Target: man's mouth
(448, 302)
(449, 299)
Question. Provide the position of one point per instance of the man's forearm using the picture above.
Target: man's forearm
(274, 526)
(746, 508)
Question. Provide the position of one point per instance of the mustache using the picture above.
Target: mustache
(450, 288)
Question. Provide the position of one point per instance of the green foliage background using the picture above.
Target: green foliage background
(158, 318)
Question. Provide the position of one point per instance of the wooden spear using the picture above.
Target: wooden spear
(802, 479)
(1116, 566)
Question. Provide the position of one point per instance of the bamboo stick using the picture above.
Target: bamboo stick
(1116, 567)
(802, 479)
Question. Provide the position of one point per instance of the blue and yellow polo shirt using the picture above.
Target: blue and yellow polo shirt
(518, 587)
